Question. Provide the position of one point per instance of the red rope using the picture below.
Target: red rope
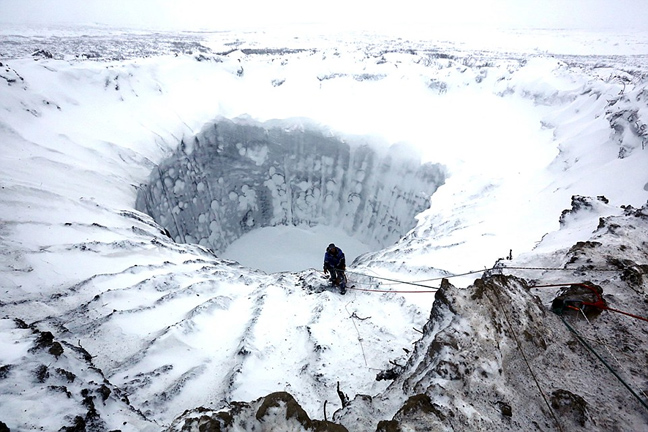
(392, 291)
(626, 313)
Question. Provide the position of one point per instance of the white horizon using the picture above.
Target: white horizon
(206, 15)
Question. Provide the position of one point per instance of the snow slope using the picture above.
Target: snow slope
(173, 326)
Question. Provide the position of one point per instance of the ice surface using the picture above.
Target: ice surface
(285, 248)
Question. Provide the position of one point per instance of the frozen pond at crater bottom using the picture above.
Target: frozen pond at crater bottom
(291, 248)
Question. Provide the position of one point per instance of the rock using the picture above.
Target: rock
(388, 426)
(41, 373)
(570, 407)
(5, 370)
(283, 401)
(56, 349)
(583, 298)
(275, 412)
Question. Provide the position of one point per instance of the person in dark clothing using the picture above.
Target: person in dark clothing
(335, 264)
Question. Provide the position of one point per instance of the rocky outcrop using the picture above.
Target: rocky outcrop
(501, 355)
(275, 412)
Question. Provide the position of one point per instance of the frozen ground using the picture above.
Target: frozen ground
(520, 124)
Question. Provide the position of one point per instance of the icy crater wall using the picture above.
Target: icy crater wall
(234, 177)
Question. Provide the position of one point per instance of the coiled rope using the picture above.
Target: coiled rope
(599, 303)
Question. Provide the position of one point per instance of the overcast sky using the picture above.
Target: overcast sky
(220, 15)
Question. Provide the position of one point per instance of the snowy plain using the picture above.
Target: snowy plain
(521, 122)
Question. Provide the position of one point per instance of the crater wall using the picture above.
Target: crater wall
(237, 176)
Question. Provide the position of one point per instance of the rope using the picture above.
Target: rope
(419, 282)
(394, 291)
(599, 303)
(453, 275)
(353, 316)
(432, 289)
(608, 350)
(358, 332)
(586, 345)
(556, 269)
(394, 280)
(626, 313)
(508, 322)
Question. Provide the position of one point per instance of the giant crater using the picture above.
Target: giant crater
(236, 176)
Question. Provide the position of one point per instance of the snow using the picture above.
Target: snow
(283, 248)
(519, 128)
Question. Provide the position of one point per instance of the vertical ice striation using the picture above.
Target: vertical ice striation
(234, 177)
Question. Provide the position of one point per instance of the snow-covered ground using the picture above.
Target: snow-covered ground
(281, 248)
(521, 123)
